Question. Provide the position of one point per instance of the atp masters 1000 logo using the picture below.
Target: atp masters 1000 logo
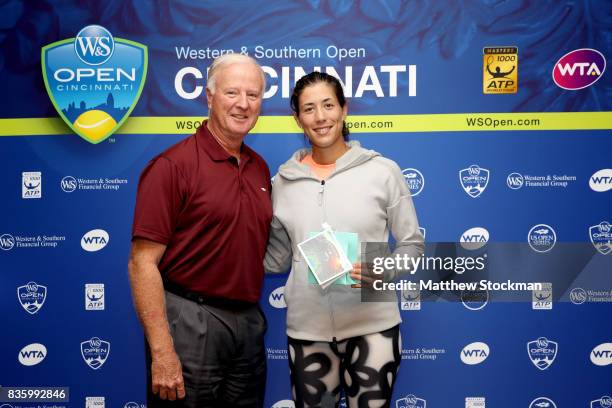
(94, 80)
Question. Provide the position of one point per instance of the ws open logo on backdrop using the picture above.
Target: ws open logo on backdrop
(94, 80)
(474, 180)
(95, 352)
(603, 402)
(411, 401)
(32, 296)
(542, 352)
(601, 237)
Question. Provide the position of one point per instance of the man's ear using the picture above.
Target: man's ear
(209, 96)
(297, 120)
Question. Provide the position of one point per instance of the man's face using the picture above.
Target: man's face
(236, 103)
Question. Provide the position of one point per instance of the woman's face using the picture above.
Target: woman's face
(321, 116)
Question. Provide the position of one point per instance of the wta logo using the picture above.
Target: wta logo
(94, 240)
(475, 353)
(32, 354)
(601, 181)
(94, 80)
(602, 355)
(277, 298)
(579, 69)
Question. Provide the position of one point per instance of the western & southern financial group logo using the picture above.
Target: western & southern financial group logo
(7, 242)
(94, 80)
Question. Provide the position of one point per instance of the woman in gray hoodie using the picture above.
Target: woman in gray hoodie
(337, 341)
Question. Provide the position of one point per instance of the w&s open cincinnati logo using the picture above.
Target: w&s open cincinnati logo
(94, 80)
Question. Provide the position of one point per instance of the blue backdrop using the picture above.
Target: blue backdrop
(435, 50)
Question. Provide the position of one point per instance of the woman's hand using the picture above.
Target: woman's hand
(361, 275)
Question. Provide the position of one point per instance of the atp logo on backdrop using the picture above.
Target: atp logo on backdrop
(31, 184)
(542, 299)
(95, 402)
(32, 296)
(474, 180)
(542, 352)
(579, 69)
(411, 299)
(500, 70)
(475, 402)
(94, 296)
(411, 401)
(94, 80)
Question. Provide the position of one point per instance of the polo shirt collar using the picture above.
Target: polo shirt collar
(216, 152)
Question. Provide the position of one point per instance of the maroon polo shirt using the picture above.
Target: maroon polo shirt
(212, 214)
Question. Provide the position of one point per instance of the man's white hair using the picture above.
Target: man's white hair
(226, 60)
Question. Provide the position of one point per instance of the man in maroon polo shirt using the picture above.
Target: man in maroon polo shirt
(200, 231)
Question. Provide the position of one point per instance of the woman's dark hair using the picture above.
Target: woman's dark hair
(314, 78)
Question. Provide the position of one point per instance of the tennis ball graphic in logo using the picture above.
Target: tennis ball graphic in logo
(96, 124)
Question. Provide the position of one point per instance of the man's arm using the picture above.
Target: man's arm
(149, 300)
(278, 253)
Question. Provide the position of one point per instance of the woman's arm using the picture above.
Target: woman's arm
(402, 220)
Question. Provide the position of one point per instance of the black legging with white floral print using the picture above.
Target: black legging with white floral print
(365, 367)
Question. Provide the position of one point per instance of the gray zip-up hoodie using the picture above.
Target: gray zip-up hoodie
(367, 195)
